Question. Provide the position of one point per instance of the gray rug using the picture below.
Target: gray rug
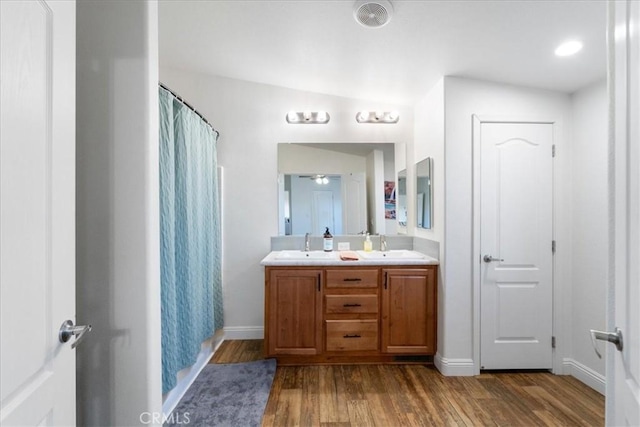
(233, 395)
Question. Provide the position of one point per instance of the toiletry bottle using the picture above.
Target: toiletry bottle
(328, 240)
(368, 246)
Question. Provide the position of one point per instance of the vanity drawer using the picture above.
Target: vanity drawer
(352, 335)
(339, 304)
(352, 278)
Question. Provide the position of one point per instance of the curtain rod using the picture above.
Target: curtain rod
(181, 99)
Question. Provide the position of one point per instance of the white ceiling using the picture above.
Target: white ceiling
(317, 46)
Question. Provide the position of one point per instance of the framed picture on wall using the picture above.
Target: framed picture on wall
(390, 200)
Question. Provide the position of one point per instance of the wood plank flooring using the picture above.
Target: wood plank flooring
(417, 395)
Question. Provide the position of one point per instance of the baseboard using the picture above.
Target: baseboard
(243, 332)
(187, 376)
(584, 374)
(454, 367)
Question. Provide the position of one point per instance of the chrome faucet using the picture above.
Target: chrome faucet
(306, 242)
(383, 243)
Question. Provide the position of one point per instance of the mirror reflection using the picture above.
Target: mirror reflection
(401, 193)
(424, 196)
(337, 185)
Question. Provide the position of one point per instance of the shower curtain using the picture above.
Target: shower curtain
(190, 250)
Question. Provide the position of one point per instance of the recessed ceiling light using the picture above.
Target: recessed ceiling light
(568, 48)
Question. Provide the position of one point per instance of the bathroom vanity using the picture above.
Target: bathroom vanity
(378, 309)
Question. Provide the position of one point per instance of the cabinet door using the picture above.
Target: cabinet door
(409, 311)
(294, 312)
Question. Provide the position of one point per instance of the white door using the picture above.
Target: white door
(623, 367)
(322, 212)
(515, 245)
(37, 208)
(354, 203)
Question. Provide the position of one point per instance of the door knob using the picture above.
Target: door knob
(489, 258)
(612, 337)
(67, 330)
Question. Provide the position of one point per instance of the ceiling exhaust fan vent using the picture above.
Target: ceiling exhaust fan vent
(373, 13)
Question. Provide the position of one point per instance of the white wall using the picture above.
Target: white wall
(429, 141)
(390, 225)
(375, 193)
(590, 224)
(464, 98)
(251, 120)
(298, 159)
(118, 262)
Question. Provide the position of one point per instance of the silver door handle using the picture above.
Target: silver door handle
(489, 258)
(612, 337)
(67, 330)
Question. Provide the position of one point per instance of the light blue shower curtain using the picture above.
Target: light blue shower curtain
(190, 250)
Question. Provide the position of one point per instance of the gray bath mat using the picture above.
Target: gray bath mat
(231, 395)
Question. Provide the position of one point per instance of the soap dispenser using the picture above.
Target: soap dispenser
(328, 240)
(368, 246)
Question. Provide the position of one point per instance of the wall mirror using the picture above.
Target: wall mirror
(401, 194)
(424, 193)
(337, 185)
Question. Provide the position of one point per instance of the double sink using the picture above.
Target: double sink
(302, 255)
(316, 258)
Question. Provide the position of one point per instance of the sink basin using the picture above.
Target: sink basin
(292, 255)
(396, 254)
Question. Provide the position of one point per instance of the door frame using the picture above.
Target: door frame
(557, 317)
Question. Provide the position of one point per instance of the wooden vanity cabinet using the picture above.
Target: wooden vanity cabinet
(409, 303)
(364, 314)
(293, 311)
(351, 310)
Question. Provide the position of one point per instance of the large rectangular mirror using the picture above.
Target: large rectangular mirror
(336, 185)
(424, 193)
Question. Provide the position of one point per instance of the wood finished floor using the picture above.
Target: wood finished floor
(417, 395)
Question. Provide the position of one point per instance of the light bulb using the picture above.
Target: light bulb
(292, 117)
(319, 180)
(325, 180)
(568, 48)
(393, 116)
(321, 116)
(307, 115)
(379, 115)
(363, 116)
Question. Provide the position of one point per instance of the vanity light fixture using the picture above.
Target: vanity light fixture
(308, 117)
(388, 117)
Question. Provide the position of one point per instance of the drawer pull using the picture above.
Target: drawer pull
(352, 305)
(352, 336)
(352, 279)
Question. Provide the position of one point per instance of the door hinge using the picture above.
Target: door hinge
(553, 246)
(553, 150)
(553, 342)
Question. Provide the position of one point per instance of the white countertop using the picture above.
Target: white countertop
(320, 258)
